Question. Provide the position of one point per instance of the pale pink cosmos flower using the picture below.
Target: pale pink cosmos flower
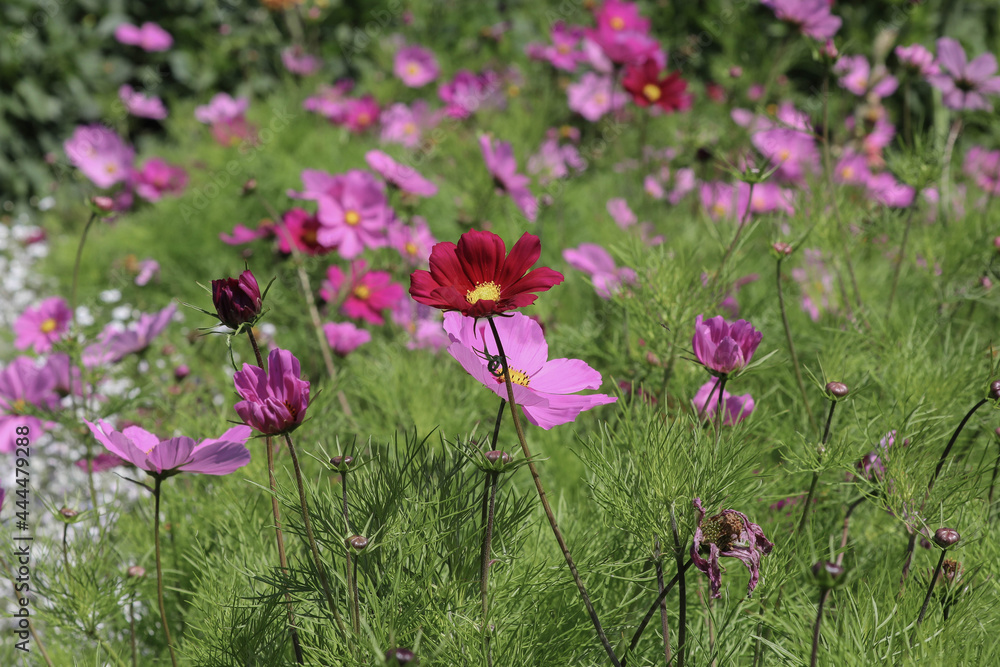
(466, 92)
(352, 210)
(102, 462)
(297, 61)
(886, 190)
(817, 284)
(141, 105)
(274, 401)
(964, 84)
(593, 95)
(724, 348)
(621, 213)
(500, 162)
(811, 17)
(406, 125)
(114, 344)
(554, 161)
(158, 178)
(706, 404)
(543, 388)
(413, 241)
(165, 458)
(793, 152)
(717, 198)
(366, 294)
(415, 66)
(62, 369)
(422, 323)
(100, 154)
(597, 263)
(150, 37)
(345, 337)
(402, 176)
(858, 77)
(983, 167)
(564, 52)
(852, 169)
(149, 268)
(918, 59)
(330, 101)
(221, 108)
(24, 386)
(39, 327)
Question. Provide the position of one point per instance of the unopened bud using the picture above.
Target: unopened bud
(995, 390)
(826, 574)
(837, 390)
(495, 456)
(357, 542)
(136, 571)
(103, 203)
(400, 656)
(782, 249)
(249, 186)
(68, 513)
(946, 537)
(342, 463)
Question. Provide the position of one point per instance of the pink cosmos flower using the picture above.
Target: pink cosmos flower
(983, 167)
(621, 213)
(724, 348)
(917, 59)
(405, 177)
(811, 17)
(406, 124)
(351, 207)
(165, 458)
(466, 92)
(626, 47)
(242, 234)
(62, 368)
(793, 152)
(852, 169)
(102, 462)
(593, 95)
(368, 293)
(597, 262)
(619, 15)
(300, 228)
(40, 327)
(222, 108)
(330, 101)
(422, 323)
(140, 105)
(545, 389)
(728, 534)
(361, 113)
(964, 84)
(415, 66)
(100, 154)
(149, 268)
(499, 158)
(413, 242)
(345, 337)
(24, 386)
(150, 37)
(275, 401)
(706, 404)
(816, 283)
(857, 77)
(564, 52)
(297, 61)
(114, 344)
(554, 161)
(158, 178)
(886, 190)
(717, 198)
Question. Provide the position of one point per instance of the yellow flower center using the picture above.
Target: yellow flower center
(362, 292)
(409, 128)
(364, 118)
(48, 325)
(771, 109)
(411, 248)
(784, 154)
(563, 48)
(718, 209)
(484, 291)
(600, 98)
(352, 218)
(847, 173)
(566, 131)
(516, 377)
(513, 90)
(651, 91)
(18, 407)
(111, 168)
(412, 69)
(617, 23)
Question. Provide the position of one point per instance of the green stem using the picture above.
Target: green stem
(899, 261)
(930, 588)
(317, 561)
(489, 500)
(719, 410)
(819, 620)
(351, 583)
(652, 610)
(815, 477)
(791, 348)
(681, 591)
(665, 628)
(545, 502)
(72, 307)
(111, 653)
(159, 569)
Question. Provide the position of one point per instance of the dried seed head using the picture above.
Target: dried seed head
(946, 537)
(722, 529)
(357, 542)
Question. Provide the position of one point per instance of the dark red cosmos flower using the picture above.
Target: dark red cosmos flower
(237, 300)
(478, 279)
(646, 86)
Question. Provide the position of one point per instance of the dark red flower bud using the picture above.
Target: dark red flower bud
(946, 537)
(68, 513)
(342, 463)
(237, 300)
(995, 390)
(357, 542)
(495, 456)
(837, 389)
(400, 656)
(827, 573)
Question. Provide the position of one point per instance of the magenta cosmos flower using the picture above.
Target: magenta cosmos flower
(917, 59)
(158, 178)
(858, 77)
(352, 209)
(40, 327)
(964, 84)
(415, 66)
(222, 108)
(545, 389)
(466, 92)
(140, 105)
(275, 401)
(811, 17)
(500, 161)
(597, 263)
(100, 154)
(404, 177)
(478, 279)
(237, 300)
(413, 241)
(706, 404)
(165, 458)
(24, 387)
(722, 347)
(345, 337)
(298, 61)
(114, 344)
(728, 533)
(150, 37)
(368, 293)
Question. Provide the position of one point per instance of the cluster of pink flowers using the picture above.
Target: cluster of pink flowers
(227, 116)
